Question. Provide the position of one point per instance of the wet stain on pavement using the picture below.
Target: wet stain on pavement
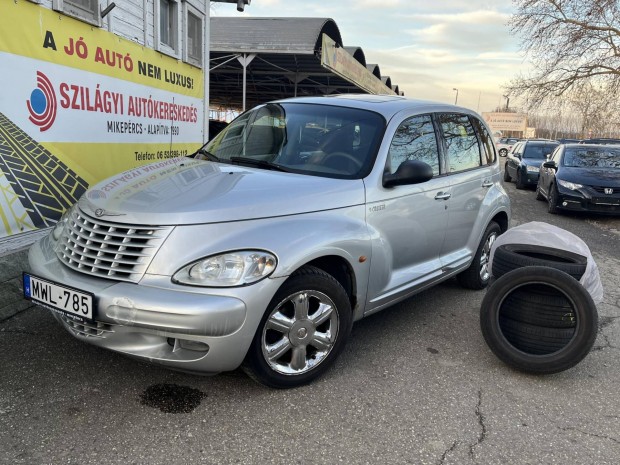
(172, 398)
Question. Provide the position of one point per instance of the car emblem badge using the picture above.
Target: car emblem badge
(101, 212)
(609, 191)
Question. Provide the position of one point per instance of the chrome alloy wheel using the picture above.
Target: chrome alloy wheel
(485, 256)
(300, 332)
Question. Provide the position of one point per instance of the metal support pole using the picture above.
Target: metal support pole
(245, 60)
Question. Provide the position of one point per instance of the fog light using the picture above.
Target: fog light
(196, 346)
(187, 344)
(565, 203)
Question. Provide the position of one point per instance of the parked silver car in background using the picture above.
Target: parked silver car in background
(299, 218)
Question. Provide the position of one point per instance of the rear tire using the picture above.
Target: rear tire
(478, 275)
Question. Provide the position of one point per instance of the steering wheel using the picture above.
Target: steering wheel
(343, 155)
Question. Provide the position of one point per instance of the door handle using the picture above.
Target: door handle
(487, 184)
(443, 196)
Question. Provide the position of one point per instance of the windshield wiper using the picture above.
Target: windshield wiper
(260, 163)
(206, 155)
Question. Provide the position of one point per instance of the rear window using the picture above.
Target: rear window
(538, 152)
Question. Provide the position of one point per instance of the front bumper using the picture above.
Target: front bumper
(530, 177)
(573, 201)
(190, 329)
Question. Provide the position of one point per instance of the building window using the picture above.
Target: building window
(194, 39)
(168, 23)
(86, 10)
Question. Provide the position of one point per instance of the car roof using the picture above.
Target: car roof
(386, 105)
(593, 146)
(541, 142)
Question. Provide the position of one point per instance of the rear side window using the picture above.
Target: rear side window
(461, 142)
(414, 140)
(486, 145)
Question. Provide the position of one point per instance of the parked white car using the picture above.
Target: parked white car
(505, 145)
(299, 218)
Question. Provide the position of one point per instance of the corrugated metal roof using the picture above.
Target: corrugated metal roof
(287, 61)
(357, 53)
(265, 35)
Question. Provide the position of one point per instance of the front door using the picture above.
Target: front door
(411, 219)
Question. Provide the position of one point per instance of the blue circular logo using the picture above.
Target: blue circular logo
(38, 101)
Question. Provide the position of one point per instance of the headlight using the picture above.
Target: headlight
(229, 269)
(569, 185)
(62, 222)
(532, 169)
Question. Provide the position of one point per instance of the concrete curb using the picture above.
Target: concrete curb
(11, 292)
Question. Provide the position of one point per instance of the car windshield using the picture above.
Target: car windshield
(320, 140)
(538, 152)
(603, 157)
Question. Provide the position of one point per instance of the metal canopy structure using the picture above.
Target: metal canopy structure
(284, 57)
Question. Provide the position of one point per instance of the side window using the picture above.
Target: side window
(86, 10)
(414, 140)
(518, 149)
(487, 150)
(193, 39)
(461, 143)
(168, 26)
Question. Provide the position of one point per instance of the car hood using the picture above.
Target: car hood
(187, 191)
(603, 177)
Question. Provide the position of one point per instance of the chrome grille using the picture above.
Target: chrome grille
(109, 250)
(601, 190)
(88, 329)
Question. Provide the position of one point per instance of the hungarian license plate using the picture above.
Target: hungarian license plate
(73, 303)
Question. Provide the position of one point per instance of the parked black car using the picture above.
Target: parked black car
(600, 141)
(581, 177)
(523, 162)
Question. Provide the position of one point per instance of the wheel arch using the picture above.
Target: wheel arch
(501, 218)
(341, 270)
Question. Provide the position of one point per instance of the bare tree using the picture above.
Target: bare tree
(568, 42)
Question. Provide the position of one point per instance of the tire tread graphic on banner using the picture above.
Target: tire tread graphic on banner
(45, 186)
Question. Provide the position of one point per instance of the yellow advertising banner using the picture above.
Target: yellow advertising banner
(80, 104)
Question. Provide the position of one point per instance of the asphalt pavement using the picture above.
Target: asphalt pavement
(415, 384)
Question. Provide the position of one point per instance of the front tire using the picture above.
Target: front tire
(303, 331)
(506, 175)
(539, 195)
(552, 198)
(478, 275)
(519, 184)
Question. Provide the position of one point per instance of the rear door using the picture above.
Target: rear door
(513, 159)
(470, 157)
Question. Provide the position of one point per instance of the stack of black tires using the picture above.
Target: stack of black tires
(536, 316)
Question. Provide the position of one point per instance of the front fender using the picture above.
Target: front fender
(295, 240)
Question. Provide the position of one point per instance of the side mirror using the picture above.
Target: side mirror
(409, 172)
(550, 164)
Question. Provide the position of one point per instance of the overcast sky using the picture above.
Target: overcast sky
(427, 48)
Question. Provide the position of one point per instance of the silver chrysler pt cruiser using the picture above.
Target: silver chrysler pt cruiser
(261, 250)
